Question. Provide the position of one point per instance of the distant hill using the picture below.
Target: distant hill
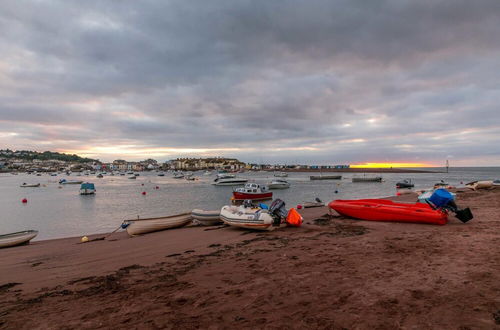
(46, 155)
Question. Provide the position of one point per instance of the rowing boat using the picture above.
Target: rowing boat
(206, 218)
(142, 226)
(13, 239)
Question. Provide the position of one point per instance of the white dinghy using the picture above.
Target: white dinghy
(247, 217)
(142, 226)
(206, 218)
(13, 239)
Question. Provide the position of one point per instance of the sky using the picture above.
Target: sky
(289, 81)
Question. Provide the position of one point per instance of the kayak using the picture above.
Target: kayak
(386, 210)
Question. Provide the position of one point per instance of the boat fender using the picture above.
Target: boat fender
(294, 219)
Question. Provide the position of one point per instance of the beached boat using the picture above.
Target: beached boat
(280, 174)
(64, 181)
(228, 180)
(206, 218)
(496, 182)
(317, 203)
(13, 239)
(386, 210)
(367, 179)
(27, 185)
(480, 185)
(278, 184)
(247, 217)
(87, 188)
(147, 225)
(325, 177)
(405, 184)
(252, 191)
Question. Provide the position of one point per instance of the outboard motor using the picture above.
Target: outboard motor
(248, 203)
(442, 199)
(278, 211)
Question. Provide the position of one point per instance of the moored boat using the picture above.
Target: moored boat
(18, 238)
(206, 218)
(325, 177)
(367, 179)
(26, 185)
(252, 191)
(405, 184)
(87, 188)
(280, 174)
(228, 180)
(278, 184)
(64, 181)
(133, 177)
(142, 226)
(386, 210)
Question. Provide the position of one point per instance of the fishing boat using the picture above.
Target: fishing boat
(325, 177)
(64, 181)
(87, 188)
(405, 184)
(228, 180)
(142, 226)
(26, 185)
(21, 237)
(367, 179)
(278, 184)
(280, 174)
(386, 210)
(247, 217)
(252, 191)
(206, 218)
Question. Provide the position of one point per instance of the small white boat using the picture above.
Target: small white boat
(161, 174)
(26, 185)
(278, 184)
(206, 218)
(132, 177)
(280, 174)
(64, 181)
(207, 173)
(179, 175)
(228, 180)
(480, 185)
(246, 217)
(147, 225)
(13, 239)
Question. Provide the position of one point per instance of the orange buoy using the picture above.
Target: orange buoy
(24, 200)
(144, 193)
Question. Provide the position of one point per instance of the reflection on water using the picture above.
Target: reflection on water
(59, 211)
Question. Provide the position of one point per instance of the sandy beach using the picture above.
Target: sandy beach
(331, 273)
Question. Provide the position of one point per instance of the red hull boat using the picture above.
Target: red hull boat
(252, 191)
(386, 210)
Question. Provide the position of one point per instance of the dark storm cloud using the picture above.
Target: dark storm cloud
(299, 80)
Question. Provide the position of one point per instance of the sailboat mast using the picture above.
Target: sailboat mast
(447, 166)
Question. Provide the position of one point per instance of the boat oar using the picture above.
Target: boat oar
(85, 239)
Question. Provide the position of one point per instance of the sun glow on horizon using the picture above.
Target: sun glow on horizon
(389, 165)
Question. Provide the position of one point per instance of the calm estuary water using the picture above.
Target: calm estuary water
(59, 211)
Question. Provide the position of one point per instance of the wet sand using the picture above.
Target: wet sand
(331, 273)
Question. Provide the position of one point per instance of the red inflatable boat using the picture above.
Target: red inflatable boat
(386, 210)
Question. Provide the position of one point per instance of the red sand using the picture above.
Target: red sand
(336, 274)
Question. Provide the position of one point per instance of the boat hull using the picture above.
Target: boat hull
(325, 177)
(247, 218)
(13, 239)
(240, 196)
(386, 210)
(377, 179)
(278, 186)
(148, 225)
(206, 218)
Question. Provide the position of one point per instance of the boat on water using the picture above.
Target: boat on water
(386, 210)
(161, 174)
(53, 174)
(252, 191)
(367, 179)
(228, 180)
(27, 185)
(87, 188)
(207, 173)
(100, 176)
(206, 218)
(280, 174)
(18, 238)
(64, 181)
(178, 175)
(406, 183)
(133, 177)
(278, 184)
(325, 177)
(142, 226)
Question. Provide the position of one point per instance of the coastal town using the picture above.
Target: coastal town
(31, 161)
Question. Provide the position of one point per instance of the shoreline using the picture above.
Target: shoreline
(331, 272)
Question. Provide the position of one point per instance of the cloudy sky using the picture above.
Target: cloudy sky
(339, 81)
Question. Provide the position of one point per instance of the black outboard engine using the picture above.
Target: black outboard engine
(278, 211)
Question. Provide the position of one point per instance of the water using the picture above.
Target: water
(59, 211)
